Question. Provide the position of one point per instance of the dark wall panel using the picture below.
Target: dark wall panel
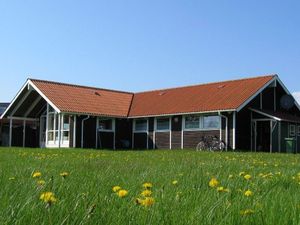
(151, 129)
(176, 132)
(162, 140)
(140, 141)
(106, 140)
(123, 133)
(192, 138)
(268, 99)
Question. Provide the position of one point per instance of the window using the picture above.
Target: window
(141, 125)
(298, 130)
(192, 122)
(163, 124)
(105, 124)
(65, 128)
(52, 126)
(292, 130)
(211, 122)
(197, 122)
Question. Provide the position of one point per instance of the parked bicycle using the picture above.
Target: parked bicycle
(210, 143)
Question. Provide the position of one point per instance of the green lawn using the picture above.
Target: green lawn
(85, 196)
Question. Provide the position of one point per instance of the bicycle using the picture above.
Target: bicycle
(210, 143)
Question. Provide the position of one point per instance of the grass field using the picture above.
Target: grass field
(183, 191)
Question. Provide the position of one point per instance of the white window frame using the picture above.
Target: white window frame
(113, 122)
(298, 131)
(140, 131)
(292, 133)
(65, 143)
(201, 123)
(164, 130)
(53, 142)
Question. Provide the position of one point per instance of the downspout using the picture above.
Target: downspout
(82, 127)
(226, 129)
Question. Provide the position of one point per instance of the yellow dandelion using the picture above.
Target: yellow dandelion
(41, 182)
(174, 182)
(147, 185)
(138, 201)
(213, 183)
(247, 177)
(64, 174)
(222, 189)
(148, 201)
(247, 212)
(37, 174)
(48, 197)
(122, 193)
(116, 188)
(248, 193)
(242, 174)
(146, 193)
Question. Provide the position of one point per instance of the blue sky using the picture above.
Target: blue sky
(137, 45)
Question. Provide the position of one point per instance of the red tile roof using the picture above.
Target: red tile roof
(227, 95)
(86, 100)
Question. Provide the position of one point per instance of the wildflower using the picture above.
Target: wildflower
(213, 183)
(64, 174)
(175, 182)
(242, 174)
(178, 195)
(148, 201)
(222, 189)
(116, 188)
(146, 193)
(41, 182)
(248, 193)
(48, 197)
(247, 176)
(138, 201)
(37, 174)
(247, 212)
(147, 185)
(230, 176)
(122, 193)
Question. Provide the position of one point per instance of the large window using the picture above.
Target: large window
(197, 122)
(192, 122)
(292, 130)
(211, 122)
(105, 124)
(163, 124)
(66, 128)
(141, 125)
(52, 126)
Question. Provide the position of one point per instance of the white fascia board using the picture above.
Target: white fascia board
(14, 99)
(287, 91)
(257, 93)
(265, 114)
(179, 114)
(44, 96)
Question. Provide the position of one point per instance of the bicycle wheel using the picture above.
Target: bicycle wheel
(201, 146)
(218, 146)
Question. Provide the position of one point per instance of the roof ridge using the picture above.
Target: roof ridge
(80, 86)
(209, 83)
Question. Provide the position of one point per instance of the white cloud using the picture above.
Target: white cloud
(297, 96)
